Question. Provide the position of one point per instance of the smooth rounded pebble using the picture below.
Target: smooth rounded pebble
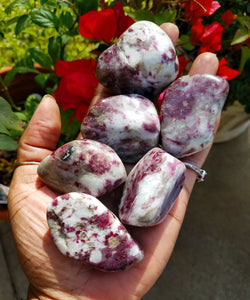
(129, 124)
(151, 189)
(83, 166)
(143, 61)
(190, 108)
(84, 229)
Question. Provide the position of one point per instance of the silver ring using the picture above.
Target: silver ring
(201, 173)
(20, 163)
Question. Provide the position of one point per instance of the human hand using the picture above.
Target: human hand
(54, 276)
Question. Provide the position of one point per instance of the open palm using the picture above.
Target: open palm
(54, 276)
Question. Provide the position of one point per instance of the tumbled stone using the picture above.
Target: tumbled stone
(143, 61)
(189, 111)
(83, 166)
(84, 229)
(129, 124)
(151, 188)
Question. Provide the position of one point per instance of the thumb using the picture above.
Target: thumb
(42, 133)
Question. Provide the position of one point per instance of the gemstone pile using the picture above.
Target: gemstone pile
(125, 128)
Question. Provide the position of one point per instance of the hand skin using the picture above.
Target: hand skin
(54, 276)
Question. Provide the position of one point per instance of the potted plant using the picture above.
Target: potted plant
(60, 41)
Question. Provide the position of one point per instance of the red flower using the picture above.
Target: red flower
(228, 17)
(182, 64)
(195, 9)
(197, 30)
(77, 86)
(123, 22)
(106, 24)
(226, 72)
(211, 38)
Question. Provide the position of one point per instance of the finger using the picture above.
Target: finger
(42, 133)
(171, 30)
(205, 63)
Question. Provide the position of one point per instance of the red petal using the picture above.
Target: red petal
(182, 64)
(199, 8)
(211, 37)
(80, 84)
(228, 17)
(63, 68)
(81, 112)
(222, 62)
(75, 90)
(123, 22)
(197, 30)
(226, 72)
(99, 25)
(214, 6)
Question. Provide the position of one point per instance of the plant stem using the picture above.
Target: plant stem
(72, 4)
(9, 99)
(197, 2)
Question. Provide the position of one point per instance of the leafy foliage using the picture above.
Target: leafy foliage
(46, 32)
(9, 124)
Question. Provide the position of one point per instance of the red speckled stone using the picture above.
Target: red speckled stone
(151, 188)
(83, 166)
(84, 229)
(129, 124)
(189, 111)
(143, 61)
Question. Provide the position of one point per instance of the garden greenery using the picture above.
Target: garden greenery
(65, 37)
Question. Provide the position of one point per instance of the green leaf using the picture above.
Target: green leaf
(140, 15)
(84, 6)
(14, 4)
(184, 42)
(245, 55)
(7, 143)
(67, 4)
(240, 36)
(166, 16)
(11, 21)
(44, 18)
(23, 22)
(244, 21)
(50, 4)
(66, 19)
(18, 70)
(3, 129)
(69, 130)
(21, 116)
(55, 48)
(22, 66)
(42, 78)
(31, 104)
(8, 118)
(40, 57)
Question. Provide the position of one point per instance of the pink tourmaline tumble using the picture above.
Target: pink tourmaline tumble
(189, 111)
(129, 124)
(83, 166)
(84, 229)
(151, 188)
(143, 61)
